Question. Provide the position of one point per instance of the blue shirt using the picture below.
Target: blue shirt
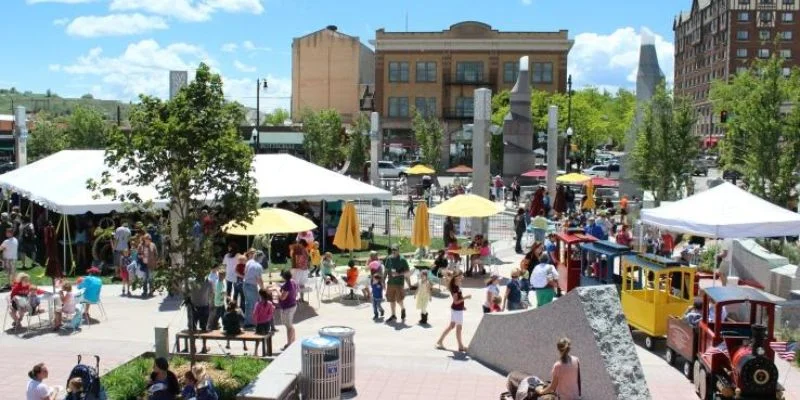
(377, 291)
(91, 286)
(596, 231)
(514, 292)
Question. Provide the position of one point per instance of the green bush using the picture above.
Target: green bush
(708, 258)
(128, 381)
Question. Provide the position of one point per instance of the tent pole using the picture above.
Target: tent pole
(323, 231)
(64, 242)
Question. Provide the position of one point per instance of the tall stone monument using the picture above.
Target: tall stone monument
(21, 136)
(517, 128)
(647, 79)
(480, 152)
(374, 148)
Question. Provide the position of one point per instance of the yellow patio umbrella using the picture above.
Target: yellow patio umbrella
(589, 203)
(421, 233)
(268, 221)
(466, 206)
(420, 170)
(573, 178)
(348, 234)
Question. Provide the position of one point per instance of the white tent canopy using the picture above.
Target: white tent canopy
(724, 211)
(59, 182)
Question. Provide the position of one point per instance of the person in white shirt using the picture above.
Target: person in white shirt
(543, 277)
(37, 389)
(121, 239)
(229, 260)
(10, 248)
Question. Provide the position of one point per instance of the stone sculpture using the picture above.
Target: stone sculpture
(518, 154)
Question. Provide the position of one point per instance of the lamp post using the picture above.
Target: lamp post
(567, 161)
(257, 129)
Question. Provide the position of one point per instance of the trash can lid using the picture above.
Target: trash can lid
(337, 331)
(319, 342)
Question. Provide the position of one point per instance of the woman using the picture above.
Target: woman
(456, 311)
(288, 305)
(149, 261)
(566, 380)
(439, 264)
(492, 291)
(229, 260)
(624, 236)
(163, 382)
(37, 389)
(23, 298)
(301, 261)
(543, 278)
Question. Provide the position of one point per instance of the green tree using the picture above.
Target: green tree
(46, 138)
(276, 118)
(324, 139)
(190, 150)
(429, 133)
(665, 146)
(87, 96)
(501, 106)
(86, 129)
(358, 143)
(762, 134)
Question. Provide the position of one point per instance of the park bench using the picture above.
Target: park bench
(218, 335)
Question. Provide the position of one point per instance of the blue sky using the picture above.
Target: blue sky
(117, 49)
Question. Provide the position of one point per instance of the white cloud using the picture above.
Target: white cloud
(229, 47)
(250, 46)
(60, 21)
(600, 60)
(114, 25)
(243, 67)
(527, 2)
(59, 1)
(278, 95)
(54, 67)
(188, 10)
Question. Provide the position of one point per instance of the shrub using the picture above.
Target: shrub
(128, 381)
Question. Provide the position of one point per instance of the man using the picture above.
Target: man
(623, 209)
(540, 225)
(9, 248)
(605, 224)
(199, 300)
(27, 241)
(449, 226)
(569, 197)
(396, 270)
(550, 247)
(91, 286)
(120, 240)
(253, 282)
(592, 228)
(519, 229)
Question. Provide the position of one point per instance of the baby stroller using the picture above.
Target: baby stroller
(523, 387)
(92, 389)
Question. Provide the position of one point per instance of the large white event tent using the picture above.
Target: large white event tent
(724, 212)
(59, 183)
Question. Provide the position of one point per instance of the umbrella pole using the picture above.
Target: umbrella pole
(64, 241)
(323, 232)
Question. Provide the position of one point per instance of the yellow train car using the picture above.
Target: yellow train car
(653, 288)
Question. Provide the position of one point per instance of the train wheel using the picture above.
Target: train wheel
(696, 374)
(705, 384)
(670, 356)
(687, 369)
(649, 342)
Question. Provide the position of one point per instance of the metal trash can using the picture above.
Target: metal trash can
(320, 377)
(348, 352)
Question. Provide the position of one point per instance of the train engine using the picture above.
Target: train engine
(754, 373)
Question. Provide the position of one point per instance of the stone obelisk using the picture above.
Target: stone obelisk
(518, 155)
(648, 77)
(481, 137)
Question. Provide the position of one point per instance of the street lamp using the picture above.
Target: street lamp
(257, 129)
(567, 160)
(568, 165)
(254, 138)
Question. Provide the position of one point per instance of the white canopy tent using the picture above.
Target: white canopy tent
(722, 212)
(59, 183)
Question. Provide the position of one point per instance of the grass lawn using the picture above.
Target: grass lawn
(38, 277)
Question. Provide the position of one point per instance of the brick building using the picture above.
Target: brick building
(437, 72)
(330, 70)
(715, 39)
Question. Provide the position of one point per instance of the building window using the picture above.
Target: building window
(742, 35)
(787, 17)
(398, 107)
(788, 1)
(786, 54)
(786, 35)
(741, 70)
(766, 16)
(398, 72)
(741, 53)
(786, 71)
(425, 106)
(763, 53)
(465, 107)
(510, 72)
(542, 73)
(763, 35)
(469, 71)
(743, 16)
(426, 71)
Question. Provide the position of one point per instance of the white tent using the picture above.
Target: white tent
(59, 182)
(724, 211)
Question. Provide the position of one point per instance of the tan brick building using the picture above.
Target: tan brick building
(437, 72)
(330, 70)
(715, 39)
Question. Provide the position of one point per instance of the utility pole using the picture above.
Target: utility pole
(567, 160)
(259, 82)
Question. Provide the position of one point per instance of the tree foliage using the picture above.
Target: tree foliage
(324, 141)
(86, 129)
(46, 137)
(762, 134)
(428, 133)
(665, 146)
(358, 143)
(276, 118)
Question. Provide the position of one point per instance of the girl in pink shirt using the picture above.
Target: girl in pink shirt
(566, 381)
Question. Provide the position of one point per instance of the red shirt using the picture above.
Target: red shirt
(457, 295)
(20, 289)
(240, 270)
(624, 238)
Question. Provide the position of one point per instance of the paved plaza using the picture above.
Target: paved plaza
(393, 361)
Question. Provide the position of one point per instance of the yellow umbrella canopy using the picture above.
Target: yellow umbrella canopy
(466, 205)
(420, 170)
(421, 233)
(348, 234)
(589, 203)
(269, 221)
(573, 178)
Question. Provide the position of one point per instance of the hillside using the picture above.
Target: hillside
(56, 105)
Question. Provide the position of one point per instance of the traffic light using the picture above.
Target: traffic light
(723, 116)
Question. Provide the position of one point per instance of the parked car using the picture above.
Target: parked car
(388, 169)
(699, 167)
(603, 170)
(731, 174)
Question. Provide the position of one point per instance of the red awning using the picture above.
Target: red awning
(536, 173)
(710, 141)
(608, 182)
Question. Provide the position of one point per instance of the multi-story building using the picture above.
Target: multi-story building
(331, 70)
(715, 39)
(436, 74)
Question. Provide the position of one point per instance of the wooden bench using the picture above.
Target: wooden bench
(217, 335)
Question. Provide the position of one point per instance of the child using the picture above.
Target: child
(351, 279)
(220, 298)
(23, 298)
(316, 259)
(423, 297)
(263, 313)
(496, 302)
(67, 304)
(232, 323)
(125, 260)
(377, 296)
(74, 389)
(238, 289)
(327, 268)
(197, 385)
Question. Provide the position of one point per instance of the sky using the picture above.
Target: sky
(118, 49)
